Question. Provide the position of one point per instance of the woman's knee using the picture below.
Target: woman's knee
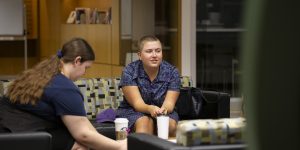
(172, 127)
(144, 125)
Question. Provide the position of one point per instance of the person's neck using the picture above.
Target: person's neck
(151, 72)
(65, 71)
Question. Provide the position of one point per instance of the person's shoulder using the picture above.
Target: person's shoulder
(61, 85)
(133, 66)
(167, 71)
(60, 80)
(167, 66)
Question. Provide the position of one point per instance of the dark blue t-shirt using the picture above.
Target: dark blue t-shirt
(60, 97)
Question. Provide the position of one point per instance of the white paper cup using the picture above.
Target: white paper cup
(121, 127)
(163, 126)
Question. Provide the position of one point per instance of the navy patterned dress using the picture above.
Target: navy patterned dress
(153, 93)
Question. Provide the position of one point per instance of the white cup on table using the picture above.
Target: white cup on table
(163, 126)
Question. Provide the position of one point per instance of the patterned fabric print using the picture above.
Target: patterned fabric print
(118, 97)
(83, 85)
(111, 98)
(210, 131)
(186, 81)
(99, 94)
(3, 86)
(87, 90)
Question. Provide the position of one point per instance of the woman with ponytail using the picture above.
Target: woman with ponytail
(44, 98)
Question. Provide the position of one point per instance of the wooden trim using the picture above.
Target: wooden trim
(179, 36)
(115, 32)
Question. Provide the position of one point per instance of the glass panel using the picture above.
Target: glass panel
(149, 17)
(166, 28)
(219, 30)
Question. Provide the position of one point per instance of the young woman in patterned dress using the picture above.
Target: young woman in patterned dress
(151, 88)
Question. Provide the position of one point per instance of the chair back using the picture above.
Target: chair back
(30, 141)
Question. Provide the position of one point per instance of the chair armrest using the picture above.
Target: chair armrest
(106, 129)
(138, 141)
(28, 140)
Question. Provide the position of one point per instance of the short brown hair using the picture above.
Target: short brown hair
(145, 39)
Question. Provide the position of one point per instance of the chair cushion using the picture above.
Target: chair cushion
(99, 94)
(210, 131)
(186, 81)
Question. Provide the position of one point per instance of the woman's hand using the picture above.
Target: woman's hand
(77, 146)
(154, 110)
(163, 110)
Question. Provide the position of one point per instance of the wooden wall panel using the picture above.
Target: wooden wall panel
(98, 70)
(116, 71)
(49, 25)
(100, 4)
(115, 32)
(98, 36)
(15, 65)
(104, 38)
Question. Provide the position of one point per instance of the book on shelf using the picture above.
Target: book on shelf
(72, 17)
(89, 16)
(100, 17)
(109, 16)
(82, 15)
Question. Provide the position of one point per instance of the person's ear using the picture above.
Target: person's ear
(77, 60)
(139, 54)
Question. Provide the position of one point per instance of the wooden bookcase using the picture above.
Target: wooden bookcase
(104, 38)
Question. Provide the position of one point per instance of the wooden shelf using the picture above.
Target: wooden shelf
(70, 5)
(103, 38)
(210, 29)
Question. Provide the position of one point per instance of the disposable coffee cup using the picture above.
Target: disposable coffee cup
(163, 126)
(121, 127)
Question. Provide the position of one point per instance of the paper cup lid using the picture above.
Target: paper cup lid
(121, 120)
(162, 116)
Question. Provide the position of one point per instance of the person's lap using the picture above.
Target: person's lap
(147, 124)
(133, 117)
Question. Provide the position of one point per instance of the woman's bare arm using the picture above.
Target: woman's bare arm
(134, 98)
(170, 101)
(83, 132)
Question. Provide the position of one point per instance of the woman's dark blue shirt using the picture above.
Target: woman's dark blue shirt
(60, 97)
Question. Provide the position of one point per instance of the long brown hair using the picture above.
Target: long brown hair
(29, 86)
